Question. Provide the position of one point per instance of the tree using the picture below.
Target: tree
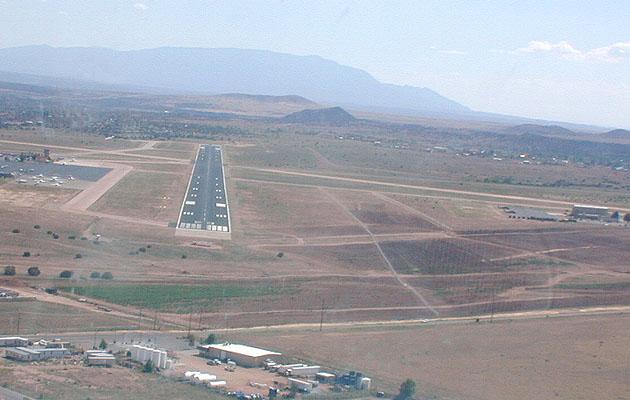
(16, 231)
(407, 390)
(33, 271)
(95, 275)
(9, 270)
(78, 256)
(107, 275)
(103, 344)
(36, 227)
(615, 215)
(280, 255)
(148, 366)
(212, 338)
(626, 217)
(65, 274)
(26, 254)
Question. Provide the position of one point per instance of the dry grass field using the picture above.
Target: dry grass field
(582, 357)
(316, 234)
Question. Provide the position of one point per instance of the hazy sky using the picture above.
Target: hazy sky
(557, 60)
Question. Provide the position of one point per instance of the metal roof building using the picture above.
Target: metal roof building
(243, 355)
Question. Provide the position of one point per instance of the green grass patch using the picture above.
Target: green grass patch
(176, 297)
(539, 262)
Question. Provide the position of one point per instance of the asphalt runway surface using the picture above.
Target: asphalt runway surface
(205, 206)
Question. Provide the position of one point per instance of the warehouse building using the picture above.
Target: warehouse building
(99, 357)
(243, 355)
(13, 341)
(590, 212)
(26, 354)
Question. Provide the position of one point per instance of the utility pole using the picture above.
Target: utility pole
(200, 311)
(189, 323)
(492, 307)
(18, 324)
(155, 321)
(321, 319)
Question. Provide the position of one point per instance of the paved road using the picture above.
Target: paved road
(205, 206)
(174, 340)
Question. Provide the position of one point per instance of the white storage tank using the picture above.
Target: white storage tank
(203, 379)
(154, 356)
(365, 383)
(190, 374)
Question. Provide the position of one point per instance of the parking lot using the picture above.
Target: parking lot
(27, 170)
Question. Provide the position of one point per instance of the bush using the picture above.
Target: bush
(9, 270)
(212, 338)
(95, 275)
(72, 237)
(65, 274)
(26, 254)
(407, 390)
(16, 231)
(142, 250)
(280, 255)
(148, 367)
(33, 271)
(103, 344)
(107, 275)
(184, 256)
(78, 255)
(36, 227)
(49, 232)
(55, 236)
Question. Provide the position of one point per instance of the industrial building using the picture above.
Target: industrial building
(99, 357)
(590, 212)
(41, 354)
(56, 344)
(13, 341)
(536, 214)
(243, 355)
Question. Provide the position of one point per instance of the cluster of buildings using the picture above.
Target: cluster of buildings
(22, 349)
(578, 213)
(300, 377)
(21, 157)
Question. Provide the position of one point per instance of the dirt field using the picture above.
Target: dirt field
(56, 380)
(40, 317)
(565, 358)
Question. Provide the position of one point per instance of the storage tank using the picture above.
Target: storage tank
(203, 379)
(190, 374)
(134, 352)
(365, 383)
(154, 356)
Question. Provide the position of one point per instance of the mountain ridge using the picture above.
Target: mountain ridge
(223, 70)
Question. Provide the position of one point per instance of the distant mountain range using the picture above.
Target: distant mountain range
(223, 70)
